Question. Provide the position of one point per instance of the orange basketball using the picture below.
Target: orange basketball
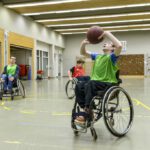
(93, 33)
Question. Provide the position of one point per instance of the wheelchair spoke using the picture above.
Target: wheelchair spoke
(118, 112)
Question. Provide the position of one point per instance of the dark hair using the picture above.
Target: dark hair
(80, 61)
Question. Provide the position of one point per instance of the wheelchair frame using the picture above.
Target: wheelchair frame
(107, 108)
(18, 90)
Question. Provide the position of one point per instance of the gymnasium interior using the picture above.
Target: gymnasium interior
(45, 38)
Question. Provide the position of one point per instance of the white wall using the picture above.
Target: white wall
(42, 46)
(58, 61)
(137, 43)
(11, 21)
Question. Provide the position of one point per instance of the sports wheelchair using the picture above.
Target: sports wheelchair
(17, 90)
(114, 105)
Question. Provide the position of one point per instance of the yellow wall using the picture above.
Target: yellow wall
(2, 49)
(23, 41)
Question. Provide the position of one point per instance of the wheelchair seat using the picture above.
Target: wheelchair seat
(101, 93)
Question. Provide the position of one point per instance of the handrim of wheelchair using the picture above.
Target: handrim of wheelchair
(18, 90)
(114, 106)
(70, 87)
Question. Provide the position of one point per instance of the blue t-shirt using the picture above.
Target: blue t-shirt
(114, 58)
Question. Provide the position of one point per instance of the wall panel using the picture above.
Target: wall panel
(2, 49)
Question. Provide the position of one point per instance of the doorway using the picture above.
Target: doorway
(23, 59)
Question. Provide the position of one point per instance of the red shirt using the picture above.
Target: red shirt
(77, 71)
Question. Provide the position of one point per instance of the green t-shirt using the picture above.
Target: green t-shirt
(104, 69)
(11, 70)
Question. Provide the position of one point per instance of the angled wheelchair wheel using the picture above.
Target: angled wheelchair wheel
(12, 97)
(118, 111)
(21, 88)
(1, 95)
(75, 110)
(1, 90)
(70, 88)
(96, 108)
(73, 116)
(94, 134)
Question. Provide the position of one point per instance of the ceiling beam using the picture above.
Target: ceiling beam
(92, 13)
(135, 17)
(104, 25)
(78, 5)
(9, 2)
(107, 28)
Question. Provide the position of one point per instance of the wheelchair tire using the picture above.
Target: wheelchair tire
(12, 98)
(1, 96)
(94, 134)
(118, 111)
(76, 133)
(21, 89)
(70, 88)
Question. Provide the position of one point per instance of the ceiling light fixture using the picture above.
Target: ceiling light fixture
(123, 26)
(67, 33)
(95, 17)
(42, 3)
(97, 23)
(89, 9)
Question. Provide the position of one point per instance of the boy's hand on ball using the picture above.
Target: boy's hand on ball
(85, 41)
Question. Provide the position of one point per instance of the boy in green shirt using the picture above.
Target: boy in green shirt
(10, 73)
(103, 73)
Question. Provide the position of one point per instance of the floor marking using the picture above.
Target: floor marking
(61, 114)
(28, 112)
(2, 104)
(7, 108)
(33, 112)
(138, 102)
(12, 142)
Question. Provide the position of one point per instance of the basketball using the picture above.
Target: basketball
(93, 33)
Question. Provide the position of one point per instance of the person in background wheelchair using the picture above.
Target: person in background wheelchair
(10, 75)
(78, 72)
(103, 73)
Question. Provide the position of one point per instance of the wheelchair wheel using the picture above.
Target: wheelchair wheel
(70, 87)
(96, 108)
(75, 110)
(21, 88)
(12, 98)
(94, 134)
(1, 90)
(76, 133)
(118, 111)
(1, 95)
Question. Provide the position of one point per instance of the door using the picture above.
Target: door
(45, 64)
(56, 57)
(60, 65)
